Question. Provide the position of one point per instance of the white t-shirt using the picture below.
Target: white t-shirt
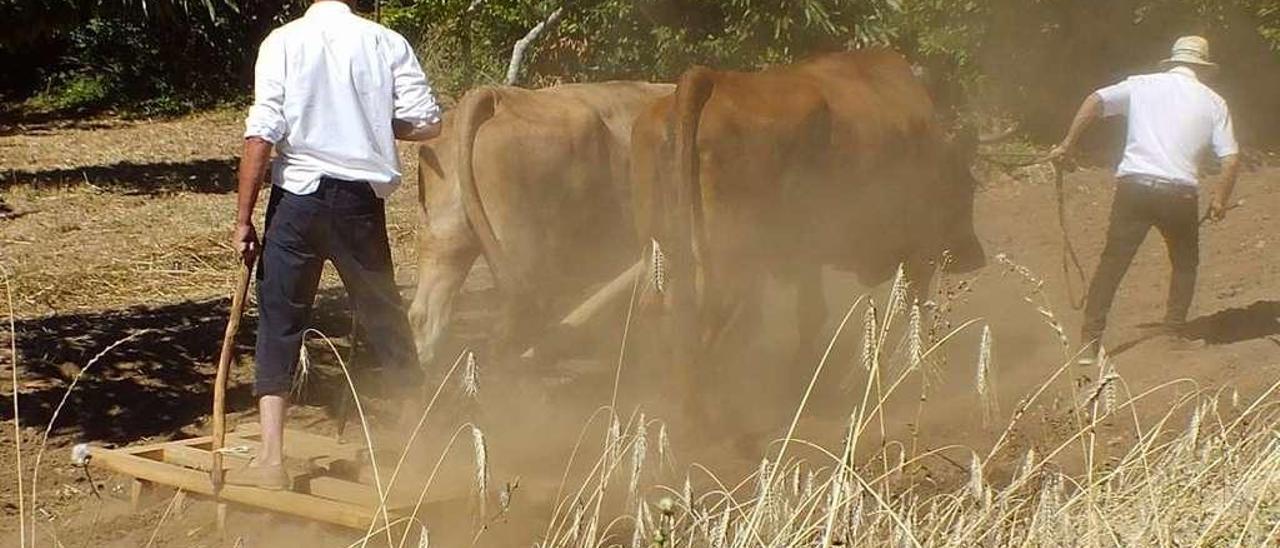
(1173, 120)
(326, 87)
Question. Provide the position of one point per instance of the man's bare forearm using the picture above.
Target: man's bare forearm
(253, 168)
(1090, 110)
(405, 131)
(1230, 172)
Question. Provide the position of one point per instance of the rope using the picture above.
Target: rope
(239, 450)
(1070, 260)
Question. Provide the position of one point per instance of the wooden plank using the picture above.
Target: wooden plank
(200, 459)
(284, 502)
(140, 492)
(316, 485)
(220, 518)
(142, 450)
(310, 456)
(301, 445)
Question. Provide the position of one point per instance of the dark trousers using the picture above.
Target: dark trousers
(1136, 209)
(343, 222)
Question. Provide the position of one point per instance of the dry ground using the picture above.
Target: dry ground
(115, 227)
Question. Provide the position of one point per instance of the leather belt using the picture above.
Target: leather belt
(1161, 183)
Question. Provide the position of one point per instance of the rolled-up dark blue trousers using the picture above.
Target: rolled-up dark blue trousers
(345, 223)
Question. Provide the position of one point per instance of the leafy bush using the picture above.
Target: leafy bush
(155, 57)
(75, 93)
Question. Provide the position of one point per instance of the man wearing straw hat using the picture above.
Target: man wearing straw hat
(332, 93)
(1173, 120)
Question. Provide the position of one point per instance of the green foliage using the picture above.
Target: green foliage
(139, 56)
(76, 93)
(1028, 59)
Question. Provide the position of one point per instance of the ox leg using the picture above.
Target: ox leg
(811, 309)
(681, 332)
(920, 273)
(442, 269)
(520, 309)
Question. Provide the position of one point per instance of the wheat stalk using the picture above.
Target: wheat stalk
(869, 329)
(382, 489)
(637, 532)
(575, 525)
(156, 531)
(795, 481)
(977, 486)
(17, 416)
(638, 449)
(657, 266)
(471, 376)
(482, 466)
(1024, 471)
(301, 373)
(915, 342)
(719, 534)
(664, 444)
(983, 380)
(1037, 289)
(613, 441)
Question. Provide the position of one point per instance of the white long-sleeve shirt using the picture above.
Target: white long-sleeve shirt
(326, 88)
(1174, 119)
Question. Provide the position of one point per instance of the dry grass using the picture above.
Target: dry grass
(1204, 473)
(92, 233)
(1211, 481)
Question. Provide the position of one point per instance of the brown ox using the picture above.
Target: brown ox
(536, 181)
(835, 161)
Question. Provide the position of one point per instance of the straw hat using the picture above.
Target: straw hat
(1190, 50)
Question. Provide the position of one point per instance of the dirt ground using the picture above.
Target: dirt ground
(111, 229)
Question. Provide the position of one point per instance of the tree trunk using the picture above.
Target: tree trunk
(522, 45)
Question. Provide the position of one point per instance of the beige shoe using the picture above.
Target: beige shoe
(273, 478)
(1089, 356)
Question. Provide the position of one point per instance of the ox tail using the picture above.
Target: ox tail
(475, 109)
(684, 215)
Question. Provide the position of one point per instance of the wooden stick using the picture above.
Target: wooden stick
(610, 294)
(220, 382)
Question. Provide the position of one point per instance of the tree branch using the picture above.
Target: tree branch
(517, 52)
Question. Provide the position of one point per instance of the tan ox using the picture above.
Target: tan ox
(536, 181)
(836, 161)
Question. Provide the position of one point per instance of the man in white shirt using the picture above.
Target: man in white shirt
(333, 91)
(1174, 120)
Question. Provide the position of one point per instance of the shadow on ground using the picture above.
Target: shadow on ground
(1256, 321)
(215, 176)
(16, 121)
(156, 383)
(1260, 320)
